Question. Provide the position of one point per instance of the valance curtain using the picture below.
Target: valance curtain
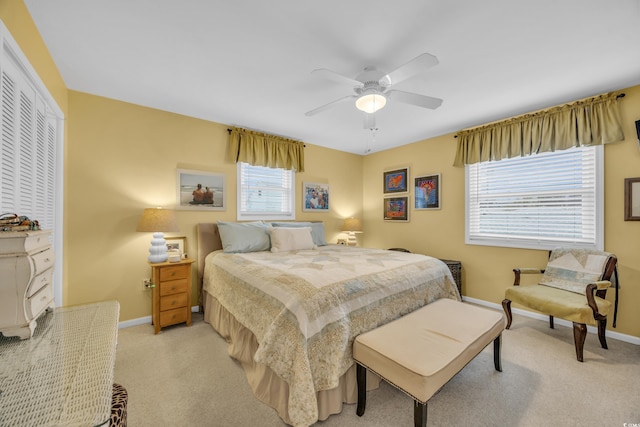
(261, 149)
(594, 121)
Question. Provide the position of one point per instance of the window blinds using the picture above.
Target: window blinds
(543, 200)
(265, 193)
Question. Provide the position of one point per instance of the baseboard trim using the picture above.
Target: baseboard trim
(146, 320)
(610, 334)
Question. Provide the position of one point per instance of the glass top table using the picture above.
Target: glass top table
(63, 374)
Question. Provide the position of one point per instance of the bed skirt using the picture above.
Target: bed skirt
(266, 385)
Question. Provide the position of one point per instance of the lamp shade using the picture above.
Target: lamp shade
(352, 224)
(158, 219)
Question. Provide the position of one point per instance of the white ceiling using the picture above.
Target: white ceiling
(248, 62)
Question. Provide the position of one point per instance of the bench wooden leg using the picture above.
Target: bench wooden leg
(419, 414)
(497, 346)
(361, 378)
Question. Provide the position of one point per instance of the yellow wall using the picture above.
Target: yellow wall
(121, 158)
(487, 271)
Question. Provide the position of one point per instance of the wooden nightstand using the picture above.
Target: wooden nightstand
(171, 293)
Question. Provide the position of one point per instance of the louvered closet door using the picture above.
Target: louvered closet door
(27, 184)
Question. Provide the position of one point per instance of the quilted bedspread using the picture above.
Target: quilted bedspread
(306, 307)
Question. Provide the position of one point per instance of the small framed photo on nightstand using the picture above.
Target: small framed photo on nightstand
(177, 244)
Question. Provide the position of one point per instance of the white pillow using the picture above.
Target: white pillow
(285, 239)
(317, 230)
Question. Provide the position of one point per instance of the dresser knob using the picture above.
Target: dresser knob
(173, 302)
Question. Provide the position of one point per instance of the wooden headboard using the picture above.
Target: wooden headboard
(208, 241)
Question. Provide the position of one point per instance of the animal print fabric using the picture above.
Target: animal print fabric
(119, 406)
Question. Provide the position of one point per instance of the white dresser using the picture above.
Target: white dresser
(26, 287)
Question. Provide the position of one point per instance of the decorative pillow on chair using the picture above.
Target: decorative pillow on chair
(237, 237)
(285, 239)
(573, 269)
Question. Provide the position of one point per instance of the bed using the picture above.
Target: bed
(290, 314)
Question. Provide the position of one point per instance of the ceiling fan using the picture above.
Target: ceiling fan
(373, 87)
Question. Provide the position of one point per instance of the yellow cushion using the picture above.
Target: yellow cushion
(557, 302)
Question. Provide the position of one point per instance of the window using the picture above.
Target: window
(265, 193)
(30, 146)
(538, 202)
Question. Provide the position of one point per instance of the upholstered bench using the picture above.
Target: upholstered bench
(420, 352)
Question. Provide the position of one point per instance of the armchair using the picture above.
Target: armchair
(573, 287)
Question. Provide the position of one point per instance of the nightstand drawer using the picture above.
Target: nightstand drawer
(173, 287)
(173, 301)
(174, 272)
(171, 317)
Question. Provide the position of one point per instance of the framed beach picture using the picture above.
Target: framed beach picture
(199, 190)
(396, 209)
(395, 181)
(427, 192)
(315, 197)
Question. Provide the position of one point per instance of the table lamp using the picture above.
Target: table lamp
(157, 221)
(352, 226)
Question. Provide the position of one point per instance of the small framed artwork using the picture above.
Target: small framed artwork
(315, 197)
(427, 192)
(177, 243)
(395, 181)
(396, 209)
(632, 199)
(199, 190)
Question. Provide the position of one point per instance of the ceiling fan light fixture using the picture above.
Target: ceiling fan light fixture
(370, 103)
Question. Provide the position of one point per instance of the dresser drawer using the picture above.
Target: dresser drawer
(171, 317)
(38, 302)
(173, 301)
(173, 287)
(174, 272)
(40, 281)
(43, 260)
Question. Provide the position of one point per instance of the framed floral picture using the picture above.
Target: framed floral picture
(396, 209)
(315, 197)
(199, 190)
(395, 181)
(427, 192)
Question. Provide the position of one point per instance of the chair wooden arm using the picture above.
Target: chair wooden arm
(591, 291)
(518, 271)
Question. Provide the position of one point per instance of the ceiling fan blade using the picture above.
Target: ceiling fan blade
(329, 105)
(417, 65)
(338, 78)
(414, 99)
(369, 121)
